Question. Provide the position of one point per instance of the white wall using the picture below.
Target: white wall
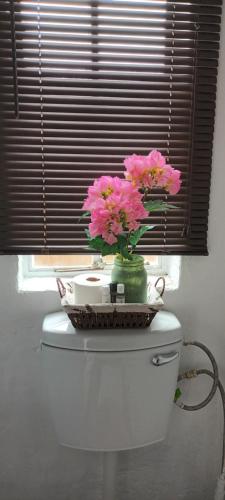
(34, 467)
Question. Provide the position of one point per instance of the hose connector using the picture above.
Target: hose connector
(188, 374)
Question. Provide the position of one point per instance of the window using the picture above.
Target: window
(38, 272)
(54, 265)
(85, 83)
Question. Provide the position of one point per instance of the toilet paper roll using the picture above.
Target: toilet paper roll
(87, 288)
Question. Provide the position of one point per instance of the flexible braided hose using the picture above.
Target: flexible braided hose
(216, 384)
(215, 379)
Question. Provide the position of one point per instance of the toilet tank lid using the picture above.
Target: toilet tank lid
(57, 331)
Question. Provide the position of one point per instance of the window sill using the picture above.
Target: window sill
(43, 284)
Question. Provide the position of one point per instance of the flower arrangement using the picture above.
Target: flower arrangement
(117, 206)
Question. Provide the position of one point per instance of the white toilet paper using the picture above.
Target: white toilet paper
(87, 288)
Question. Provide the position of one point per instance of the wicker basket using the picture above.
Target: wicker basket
(110, 316)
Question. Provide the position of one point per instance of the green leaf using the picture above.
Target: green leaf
(123, 248)
(158, 206)
(87, 232)
(101, 246)
(105, 249)
(110, 249)
(95, 243)
(177, 394)
(136, 235)
(85, 214)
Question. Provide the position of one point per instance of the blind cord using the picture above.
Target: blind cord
(187, 226)
(14, 58)
(170, 115)
(44, 250)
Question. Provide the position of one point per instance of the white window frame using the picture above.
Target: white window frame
(44, 279)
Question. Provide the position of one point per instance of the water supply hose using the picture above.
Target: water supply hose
(219, 495)
(193, 373)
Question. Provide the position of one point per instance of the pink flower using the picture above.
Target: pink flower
(116, 204)
(137, 171)
(155, 159)
(133, 225)
(156, 163)
(117, 209)
(101, 190)
(116, 227)
(99, 221)
(171, 181)
(109, 237)
(151, 171)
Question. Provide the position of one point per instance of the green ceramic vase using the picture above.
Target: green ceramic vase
(134, 276)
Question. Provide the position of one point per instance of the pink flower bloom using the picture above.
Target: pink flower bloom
(152, 171)
(171, 181)
(155, 159)
(101, 190)
(134, 163)
(137, 171)
(116, 227)
(133, 225)
(143, 171)
(104, 223)
(99, 221)
(116, 206)
(110, 238)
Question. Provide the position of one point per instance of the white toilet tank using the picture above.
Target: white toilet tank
(110, 390)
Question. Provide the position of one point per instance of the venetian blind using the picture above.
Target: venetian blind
(86, 83)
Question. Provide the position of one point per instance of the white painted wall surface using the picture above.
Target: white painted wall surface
(185, 466)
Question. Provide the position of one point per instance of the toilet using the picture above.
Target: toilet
(110, 390)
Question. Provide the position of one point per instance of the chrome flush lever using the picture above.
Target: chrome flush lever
(163, 359)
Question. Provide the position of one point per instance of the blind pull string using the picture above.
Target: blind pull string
(94, 31)
(187, 226)
(170, 114)
(44, 249)
(14, 58)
